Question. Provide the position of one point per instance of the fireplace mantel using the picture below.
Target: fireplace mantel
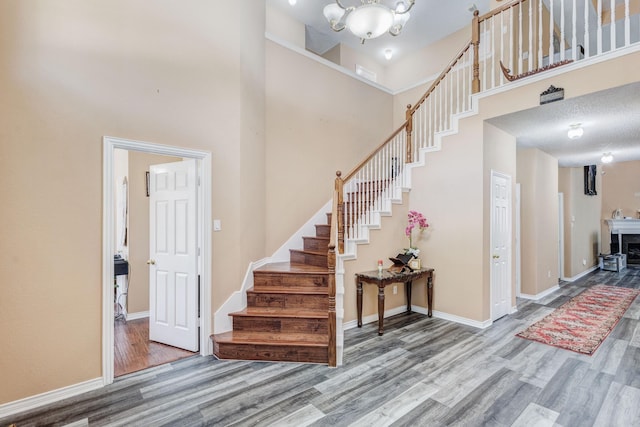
(624, 226)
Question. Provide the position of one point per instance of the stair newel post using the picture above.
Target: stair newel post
(475, 41)
(331, 264)
(409, 130)
(336, 217)
(338, 211)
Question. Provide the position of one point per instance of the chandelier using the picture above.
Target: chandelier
(370, 19)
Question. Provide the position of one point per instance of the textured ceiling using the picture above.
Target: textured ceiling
(610, 119)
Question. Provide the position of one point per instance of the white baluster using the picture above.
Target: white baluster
(613, 25)
(530, 54)
(540, 33)
(483, 44)
(574, 32)
(627, 24)
(369, 199)
(493, 54)
(562, 33)
(464, 80)
(502, 52)
(520, 31)
(587, 4)
(430, 99)
(458, 107)
(551, 24)
(425, 120)
(449, 100)
(425, 124)
(599, 33)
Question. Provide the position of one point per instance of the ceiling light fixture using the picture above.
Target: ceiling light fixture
(369, 20)
(607, 158)
(575, 131)
(292, 2)
(388, 54)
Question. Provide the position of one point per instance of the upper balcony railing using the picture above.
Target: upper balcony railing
(525, 37)
(514, 41)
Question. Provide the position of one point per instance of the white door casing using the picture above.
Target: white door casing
(500, 245)
(173, 260)
(560, 235)
(110, 144)
(518, 244)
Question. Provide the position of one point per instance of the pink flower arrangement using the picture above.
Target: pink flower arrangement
(415, 219)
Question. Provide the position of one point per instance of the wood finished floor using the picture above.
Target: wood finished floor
(422, 372)
(133, 351)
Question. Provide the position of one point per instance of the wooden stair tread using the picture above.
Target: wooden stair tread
(282, 312)
(290, 291)
(292, 268)
(310, 252)
(271, 338)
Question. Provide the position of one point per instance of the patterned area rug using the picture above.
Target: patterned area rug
(584, 322)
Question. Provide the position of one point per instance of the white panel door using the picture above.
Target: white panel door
(500, 245)
(173, 266)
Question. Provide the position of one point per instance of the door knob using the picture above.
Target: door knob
(496, 256)
(151, 262)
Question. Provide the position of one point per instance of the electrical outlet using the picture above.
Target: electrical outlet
(584, 262)
(549, 274)
(395, 289)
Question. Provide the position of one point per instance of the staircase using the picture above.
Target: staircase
(291, 311)
(286, 318)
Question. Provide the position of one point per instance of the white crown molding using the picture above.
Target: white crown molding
(325, 62)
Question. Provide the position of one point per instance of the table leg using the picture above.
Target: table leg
(429, 294)
(359, 302)
(380, 309)
(407, 289)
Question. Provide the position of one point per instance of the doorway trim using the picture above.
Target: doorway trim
(561, 236)
(518, 244)
(204, 236)
(496, 174)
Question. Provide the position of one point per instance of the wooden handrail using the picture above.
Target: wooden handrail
(437, 81)
(499, 10)
(373, 153)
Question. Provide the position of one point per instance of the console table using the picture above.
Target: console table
(384, 278)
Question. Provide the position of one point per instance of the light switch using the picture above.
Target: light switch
(216, 225)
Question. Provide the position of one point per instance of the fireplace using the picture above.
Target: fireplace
(630, 245)
(625, 238)
(633, 252)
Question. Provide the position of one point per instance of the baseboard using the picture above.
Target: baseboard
(580, 275)
(374, 317)
(53, 396)
(137, 315)
(541, 294)
(437, 314)
(457, 319)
